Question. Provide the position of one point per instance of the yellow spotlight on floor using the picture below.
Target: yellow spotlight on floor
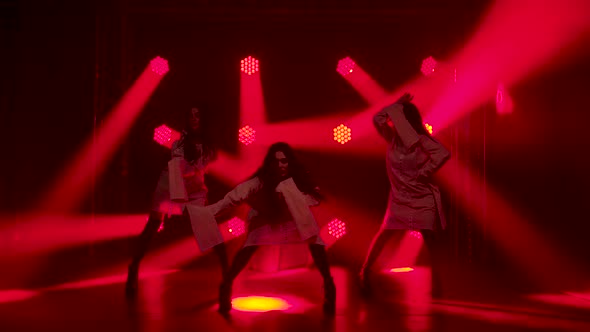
(259, 304)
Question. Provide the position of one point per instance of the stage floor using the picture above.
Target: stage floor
(185, 300)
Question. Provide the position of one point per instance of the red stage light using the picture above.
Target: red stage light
(159, 65)
(416, 234)
(165, 135)
(342, 134)
(247, 135)
(428, 66)
(236, 226)
(249, 65)
(345, 66)
(337, 228)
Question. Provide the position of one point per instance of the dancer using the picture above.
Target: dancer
(414, 201)
(280, 194)
(181, 184)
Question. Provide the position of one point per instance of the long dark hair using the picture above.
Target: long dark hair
(413, 116)
(191, 137)
(270, 178)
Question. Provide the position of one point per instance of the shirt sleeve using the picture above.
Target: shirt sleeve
(383, 128)
(289, 185)
(238, 195)
(177, 154)
(403, 128)
(438, 156)
(310, 200)
(176, 151)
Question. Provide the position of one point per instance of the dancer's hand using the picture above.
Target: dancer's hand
(406, 98)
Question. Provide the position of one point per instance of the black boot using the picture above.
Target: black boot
(132, 280)
(239, 263)
(221, 252)
(151, 228)
(329, 297)
(365, 284)
(225, 290)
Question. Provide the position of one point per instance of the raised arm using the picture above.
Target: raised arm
(438, 156)
(383, 128)
(403, 128)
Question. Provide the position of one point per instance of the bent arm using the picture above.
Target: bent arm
(403, 128)
(236, 196)
(382, 127)
(438, 156)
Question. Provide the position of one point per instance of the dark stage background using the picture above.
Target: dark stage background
(66, 63)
